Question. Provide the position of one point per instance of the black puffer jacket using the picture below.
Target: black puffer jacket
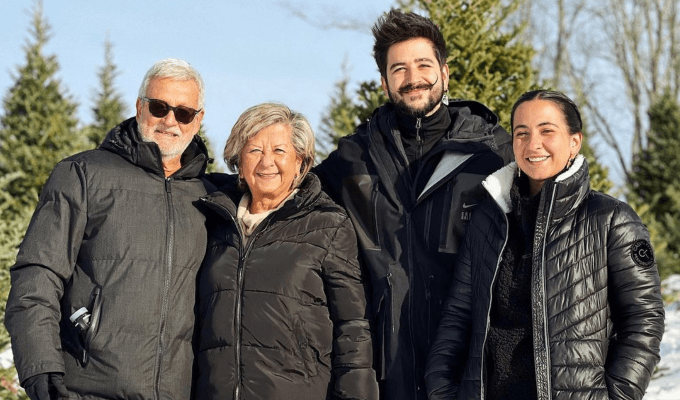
(409, 237)
(112, 234)
(597, 314)
(285, 316)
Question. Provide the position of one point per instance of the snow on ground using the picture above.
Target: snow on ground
(6, 359)
(666, 386)
(666, 383)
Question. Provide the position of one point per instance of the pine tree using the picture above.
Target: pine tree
(109, 109)
(39, 124)
(655, 184)
(599, 175)
(213, 166)
(341, 118)
(37, 130)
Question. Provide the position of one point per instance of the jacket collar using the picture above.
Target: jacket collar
(125, 141)
(227, 197)
(571, 186)
(471, 131)
(474, 130)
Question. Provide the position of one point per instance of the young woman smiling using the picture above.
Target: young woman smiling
(555, 292)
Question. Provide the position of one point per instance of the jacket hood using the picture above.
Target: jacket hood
(228, 195)
(125, 141)
(571, 185)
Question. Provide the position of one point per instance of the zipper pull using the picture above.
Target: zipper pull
(419, 125)
(167, 185)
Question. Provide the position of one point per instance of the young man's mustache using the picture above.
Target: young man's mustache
(421, 86)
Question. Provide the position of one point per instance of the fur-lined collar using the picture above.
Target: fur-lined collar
(500, 182)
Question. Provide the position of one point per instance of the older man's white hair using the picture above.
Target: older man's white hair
(175, 69)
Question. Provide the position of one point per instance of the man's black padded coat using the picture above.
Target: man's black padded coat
(408, 236)
(113, 234)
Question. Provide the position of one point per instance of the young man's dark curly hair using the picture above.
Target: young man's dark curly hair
(396, 26)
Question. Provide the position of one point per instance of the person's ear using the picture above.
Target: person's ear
(198, 119)
(445, 77)
(383, 83)
(138, 106)
(575, 141)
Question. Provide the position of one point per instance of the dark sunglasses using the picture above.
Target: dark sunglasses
(159, 109)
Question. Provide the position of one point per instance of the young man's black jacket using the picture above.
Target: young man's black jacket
(409, 238)
(113, 234)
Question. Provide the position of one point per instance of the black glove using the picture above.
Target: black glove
(46, 386)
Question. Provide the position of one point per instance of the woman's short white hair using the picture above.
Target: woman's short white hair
(175, 69)
(258, 117)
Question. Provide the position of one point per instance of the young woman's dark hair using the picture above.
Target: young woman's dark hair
(568, 107)
(396, 26)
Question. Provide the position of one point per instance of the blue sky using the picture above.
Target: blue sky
(248, 52)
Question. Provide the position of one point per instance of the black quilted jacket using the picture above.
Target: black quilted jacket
(113, 234)
(597, 314)
(285, 315)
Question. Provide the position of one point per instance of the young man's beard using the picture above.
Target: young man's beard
(433, 100)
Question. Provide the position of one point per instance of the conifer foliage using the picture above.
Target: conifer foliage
(109, 109)
(39, 125)
(655, 184)
(38, 129)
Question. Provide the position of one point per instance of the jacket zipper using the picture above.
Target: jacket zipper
(243, 255)
(428, 301)
(546, 339)
(376, 212)
(164, 308)
(419, 140)
(409, 241)
(239, 297)
(419, 153)
(488, 312)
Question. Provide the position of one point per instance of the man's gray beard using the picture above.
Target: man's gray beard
(143, 128)
(415, 113)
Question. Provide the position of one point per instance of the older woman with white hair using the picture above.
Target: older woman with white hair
(282, 309)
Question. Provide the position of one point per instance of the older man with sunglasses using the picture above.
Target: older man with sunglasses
(103, 289)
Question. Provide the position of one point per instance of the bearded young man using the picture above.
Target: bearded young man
(410, 179)
(103, 289)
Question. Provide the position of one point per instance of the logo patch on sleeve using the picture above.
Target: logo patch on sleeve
(642, 253)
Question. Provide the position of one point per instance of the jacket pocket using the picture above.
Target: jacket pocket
(95, 317)
(465, 193)
(366, 206)
(305, 351)
(77, 341)
(384, 325)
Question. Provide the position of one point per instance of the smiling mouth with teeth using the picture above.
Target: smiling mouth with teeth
(537, 159)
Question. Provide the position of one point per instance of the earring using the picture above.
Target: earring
(445, 99)
(519, 172)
